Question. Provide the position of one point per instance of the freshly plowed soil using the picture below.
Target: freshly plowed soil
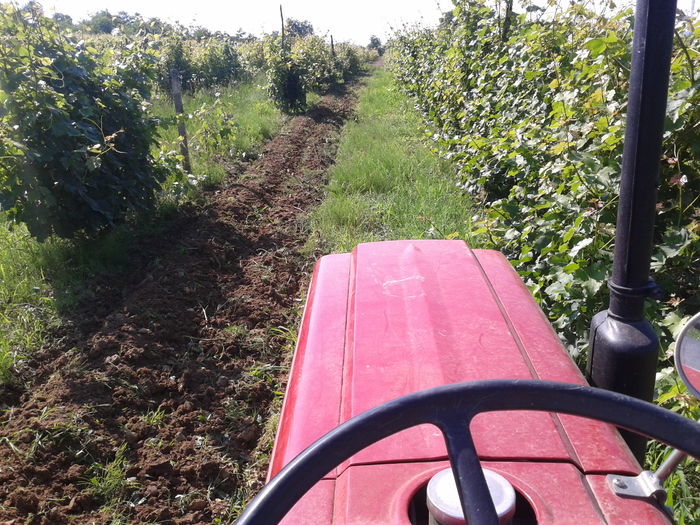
(178, 360)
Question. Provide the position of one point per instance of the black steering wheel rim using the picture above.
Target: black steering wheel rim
(451, 408)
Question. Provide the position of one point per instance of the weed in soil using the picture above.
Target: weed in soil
(108, 483)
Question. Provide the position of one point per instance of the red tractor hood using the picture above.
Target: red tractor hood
(393, 318)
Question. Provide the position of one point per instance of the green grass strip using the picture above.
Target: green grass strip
(386, 184)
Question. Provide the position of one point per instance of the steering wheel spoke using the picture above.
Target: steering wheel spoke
(473, 490)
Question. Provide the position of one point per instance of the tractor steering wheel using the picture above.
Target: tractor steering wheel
(451, 408)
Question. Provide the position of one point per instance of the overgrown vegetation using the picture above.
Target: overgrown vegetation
(376, 44)
(386, 184)
(28, 308)
(39, 281)
(108, 483)
(531, 112)
(200, 64)
(535, 127)
(78, 138)
(227, 122)
(89, 149)
(297, 66)
(75, 130)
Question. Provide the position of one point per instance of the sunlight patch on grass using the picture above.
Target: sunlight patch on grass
(386, 183)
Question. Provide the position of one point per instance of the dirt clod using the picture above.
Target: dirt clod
(79, 502)
(24, 500)
(159, 468)
(198, 504)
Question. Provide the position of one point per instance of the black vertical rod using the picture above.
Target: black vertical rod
(651, 63)
(623, 352)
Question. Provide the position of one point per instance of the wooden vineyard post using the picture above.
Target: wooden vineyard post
(332, 47)
(507, 20)
(179, 110)
(282, 18)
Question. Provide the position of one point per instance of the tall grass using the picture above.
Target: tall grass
(27, 306)
(386, 184)
(40, 281)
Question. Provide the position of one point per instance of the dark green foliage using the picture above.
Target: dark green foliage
(101, 22)
(75, 136)
(318, 68)
(63, 21)
(201, 64)
(376, 44)
(303, 65)
(298, 28)
(284, 75)
(174, 55)
(535, 125)
(215, 63)
(349, 61)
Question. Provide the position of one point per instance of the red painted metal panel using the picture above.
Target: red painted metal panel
(423, 315)
(397, 317)
(379, 494)
(316, 507)
(596, 446)
(312, 400)
(692, 375)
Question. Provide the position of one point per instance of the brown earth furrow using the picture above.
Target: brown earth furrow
(179, 358)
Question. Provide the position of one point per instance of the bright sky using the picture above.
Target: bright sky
(353, 20)
(350, 20)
